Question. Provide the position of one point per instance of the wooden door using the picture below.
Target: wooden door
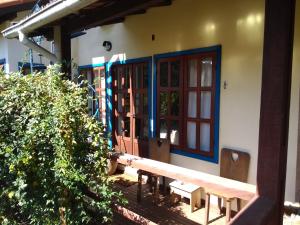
(140, 109)
(130, 108)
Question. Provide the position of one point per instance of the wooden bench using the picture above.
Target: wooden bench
(190, 191)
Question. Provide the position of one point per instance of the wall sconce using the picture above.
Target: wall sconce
(107, 45)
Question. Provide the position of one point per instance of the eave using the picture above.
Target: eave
(78, 15)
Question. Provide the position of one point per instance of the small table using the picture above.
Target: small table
(190, 191)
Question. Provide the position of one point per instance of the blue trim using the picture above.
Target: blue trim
(38, 66)
(109, 94)
(154, 100)
(217, 49)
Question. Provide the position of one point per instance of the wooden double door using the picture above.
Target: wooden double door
(130, 108)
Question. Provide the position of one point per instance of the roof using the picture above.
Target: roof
(9, 3)
(77, 15)
(9, 8)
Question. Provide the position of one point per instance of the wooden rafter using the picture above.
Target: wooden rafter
(109, 13)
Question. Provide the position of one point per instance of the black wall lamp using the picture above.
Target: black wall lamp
(107, 45)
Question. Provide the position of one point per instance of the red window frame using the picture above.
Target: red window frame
(183, 105)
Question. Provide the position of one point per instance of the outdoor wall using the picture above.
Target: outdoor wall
(187, 24)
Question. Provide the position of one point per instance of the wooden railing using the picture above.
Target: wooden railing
(256, 212)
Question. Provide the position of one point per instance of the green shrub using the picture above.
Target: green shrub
(53, 156)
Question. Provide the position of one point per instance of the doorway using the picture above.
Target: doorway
(130, 108)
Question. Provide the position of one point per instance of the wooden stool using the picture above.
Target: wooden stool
(190, 191)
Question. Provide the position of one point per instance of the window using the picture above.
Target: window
(96, 87)
(25, 68)
(2, 64)
(170, 99)
(187, 102)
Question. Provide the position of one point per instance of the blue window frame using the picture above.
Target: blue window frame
(186, 101)
(25, 67)
(2, 64)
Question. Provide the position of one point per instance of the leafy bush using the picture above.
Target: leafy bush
(53, 156)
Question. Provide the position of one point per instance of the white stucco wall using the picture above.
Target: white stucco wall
(187, 24)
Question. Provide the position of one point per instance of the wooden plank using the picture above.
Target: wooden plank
(129, 214)
(228, 188)
(275, 103)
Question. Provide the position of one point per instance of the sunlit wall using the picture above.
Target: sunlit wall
(187, 24)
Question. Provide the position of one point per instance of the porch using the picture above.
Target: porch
(163, 212)
(146, 212)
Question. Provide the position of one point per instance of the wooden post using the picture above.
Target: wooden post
(275, 103)
(66, 53)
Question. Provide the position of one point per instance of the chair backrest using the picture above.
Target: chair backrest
(159, 149)
(234, 164)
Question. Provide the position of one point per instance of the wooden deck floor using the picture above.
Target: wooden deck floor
(162, 213)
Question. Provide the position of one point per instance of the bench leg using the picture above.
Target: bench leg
(198, 199)
(207, 204)
(228, 210)
(156, 189)
(192, 202)
(139, 191)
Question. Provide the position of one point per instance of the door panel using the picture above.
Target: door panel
(130, 129)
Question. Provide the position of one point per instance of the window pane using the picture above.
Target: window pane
(120, 108)
(205, 137)
(174, 133)
(103, 118)
(137, 127)
(145, 128)
(163, 103)
(192, 76)
(206, 73)
(191, 135)
(120, 121)
(192, 104)
(175, 103)
(138, 77)
(102, 82)
(127, 103)
(163, 132)
(137, 103)
(120, 70)
(175, 73)
(164, 74)
(102, 103)
(205, 104)
(145, 76)
(127, 77)
(96, 78)
(127, 127)
(145, 104)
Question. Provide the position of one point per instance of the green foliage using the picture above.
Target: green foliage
(53, 156)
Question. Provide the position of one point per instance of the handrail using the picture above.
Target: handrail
(257, 211)
(215, 184)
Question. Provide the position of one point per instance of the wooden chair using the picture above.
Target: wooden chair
(159, 149)
(234, 165)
